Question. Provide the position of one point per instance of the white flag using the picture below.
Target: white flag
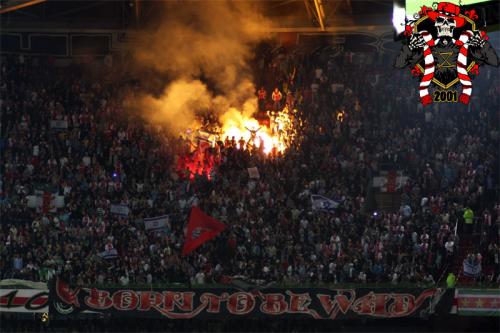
(156, 223)
(121, 210)
(253, 173)
(324, 204)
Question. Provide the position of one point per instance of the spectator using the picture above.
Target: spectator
(276, 97)
(469, 220)
(451, 280)
(262, 95)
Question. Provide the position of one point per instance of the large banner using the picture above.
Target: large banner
(229, 302)
(24, 300)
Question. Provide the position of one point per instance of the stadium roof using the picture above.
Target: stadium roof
(287, 15)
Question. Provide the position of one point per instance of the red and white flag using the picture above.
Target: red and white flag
(200, 229)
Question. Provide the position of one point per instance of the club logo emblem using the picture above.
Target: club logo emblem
(444, 48)
(197, 232)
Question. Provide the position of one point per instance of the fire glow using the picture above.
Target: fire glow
(270, 138)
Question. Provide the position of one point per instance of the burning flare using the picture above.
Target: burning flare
(235, 129)
(271, 135)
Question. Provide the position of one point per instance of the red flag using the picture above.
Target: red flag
(200, 229)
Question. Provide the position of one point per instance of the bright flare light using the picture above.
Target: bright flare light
(269, 139)
(276, 137)
(398, 18)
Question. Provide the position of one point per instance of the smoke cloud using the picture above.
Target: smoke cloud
(204, 49)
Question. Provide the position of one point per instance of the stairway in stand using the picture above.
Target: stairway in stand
(468, 244)
(388, 202)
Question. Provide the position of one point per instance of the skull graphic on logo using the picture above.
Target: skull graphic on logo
(445, 26)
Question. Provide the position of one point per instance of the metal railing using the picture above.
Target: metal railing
(387, 285)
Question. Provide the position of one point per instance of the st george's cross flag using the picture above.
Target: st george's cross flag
(200, 229)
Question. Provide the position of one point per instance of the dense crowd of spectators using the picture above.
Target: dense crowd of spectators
(352, 128)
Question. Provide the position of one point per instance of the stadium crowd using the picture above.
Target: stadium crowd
(69, 133)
